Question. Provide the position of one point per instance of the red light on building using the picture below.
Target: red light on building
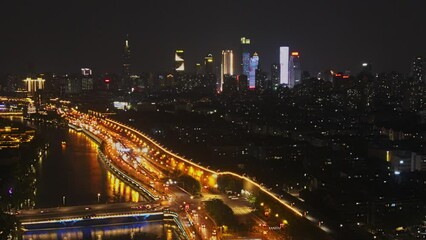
(294, 53)
(107, 80)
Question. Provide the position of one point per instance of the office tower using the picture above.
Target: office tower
(245, 56)
(275, 76)
(367, 68)
(418, 70)
(227, 66)
(254, 63)
(284, 52)
(87, 79)
(179, 61)
(208, 63)
(295, 72)
(126, 81)
(33, 85)
(198, 68)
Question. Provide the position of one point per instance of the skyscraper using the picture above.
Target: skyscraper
(284, 51)
(245, 56)
(227, 66)
(198, 68)
(254, 63)
(208, 63)
(418, 71)
(275, 76)
(126, 81)
(179, 61)
(87, 79)
(295, 72)
(34, 85)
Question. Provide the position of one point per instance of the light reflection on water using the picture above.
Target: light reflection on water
(146, 231)
(120, 189)
(72, 169)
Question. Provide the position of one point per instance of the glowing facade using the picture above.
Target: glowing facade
(179, 61)
(34, 85)
(227, 66)
(284, 52)
(245, 56)
(208, 63)
(254, 63)
(295, 72)
(86, 72)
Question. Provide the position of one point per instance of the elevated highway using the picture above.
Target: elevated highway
(164, 159)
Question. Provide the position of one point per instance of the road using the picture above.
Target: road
(136, 158)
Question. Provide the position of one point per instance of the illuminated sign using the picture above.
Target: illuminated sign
(86, 71)
(295, 54)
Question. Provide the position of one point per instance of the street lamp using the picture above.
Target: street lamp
(63, 200)
(99, 195)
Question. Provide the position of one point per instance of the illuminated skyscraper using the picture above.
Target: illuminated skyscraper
(284, 51)
(254, 63)
(208, 63)
(126, 81)
(295, 72)
(198, 68)
(418, 71)
(33, 85)
(245, 56)
(87, 79)
(227, 66)
(179, 61)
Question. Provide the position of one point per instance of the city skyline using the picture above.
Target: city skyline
(339, 36)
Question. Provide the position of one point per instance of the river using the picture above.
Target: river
(70, 173)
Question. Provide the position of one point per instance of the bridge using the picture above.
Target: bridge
(96, 215)
(169, 161)
(108, 133)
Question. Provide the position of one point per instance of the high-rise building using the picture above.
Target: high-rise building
(367, 68)
(284, 52)
(295, 72)
(208, 63)
(179, 61)
(86, 80)
(33, 85)
(254, 63)
(246, 64)
(126, 81)
(227, 66)
(275, 76)
(418, 70)
(198, 68)
(262, 82)
(245, 56)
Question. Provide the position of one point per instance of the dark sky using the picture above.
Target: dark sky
(63, 36)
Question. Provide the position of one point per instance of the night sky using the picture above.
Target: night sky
(63, 36)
